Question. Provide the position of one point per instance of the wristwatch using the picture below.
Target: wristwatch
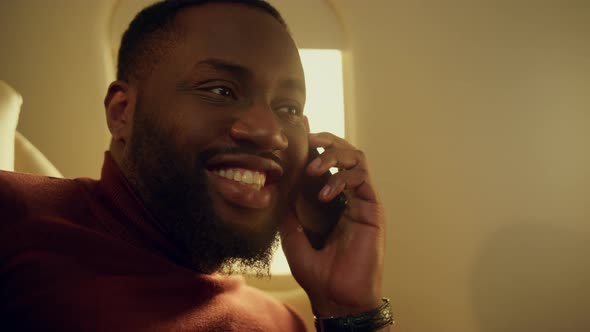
(369, 321)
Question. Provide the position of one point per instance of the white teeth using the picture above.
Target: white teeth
(252, 178)
(262, 180)
(247, 177)
(237, 176)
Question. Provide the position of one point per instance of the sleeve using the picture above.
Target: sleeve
(12, 206)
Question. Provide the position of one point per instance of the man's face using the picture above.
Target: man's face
(226, 101)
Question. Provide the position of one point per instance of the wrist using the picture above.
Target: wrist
(376, 319)
(327, 308)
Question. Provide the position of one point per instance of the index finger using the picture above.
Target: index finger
(327, 140)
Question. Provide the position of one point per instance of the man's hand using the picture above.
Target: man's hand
(343, 278)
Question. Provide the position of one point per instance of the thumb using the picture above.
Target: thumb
(293, 238)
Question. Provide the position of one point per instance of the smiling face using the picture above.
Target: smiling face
(218, 135)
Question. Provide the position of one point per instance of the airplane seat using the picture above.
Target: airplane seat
(17, 153)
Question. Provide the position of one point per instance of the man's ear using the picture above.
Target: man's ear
(119, 104)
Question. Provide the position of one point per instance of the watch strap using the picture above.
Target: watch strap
(369, 321)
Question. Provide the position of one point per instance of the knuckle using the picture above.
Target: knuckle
(336, 179)
(326, 135)
(360, 154)
(361, 173)
(331, 160)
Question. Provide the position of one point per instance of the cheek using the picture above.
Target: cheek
(197, 128)
(298, 148)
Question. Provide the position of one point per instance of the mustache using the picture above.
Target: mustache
(211, 152)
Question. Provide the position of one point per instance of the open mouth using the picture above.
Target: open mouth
(246, 169)
(254, 179)
(247, 182)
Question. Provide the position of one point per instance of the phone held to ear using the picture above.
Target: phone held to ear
(317, 218)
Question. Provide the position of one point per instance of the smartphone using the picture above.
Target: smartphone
(318, 218)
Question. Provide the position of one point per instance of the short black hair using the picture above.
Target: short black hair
(148, 35)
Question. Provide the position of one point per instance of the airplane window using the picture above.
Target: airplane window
(324, 107)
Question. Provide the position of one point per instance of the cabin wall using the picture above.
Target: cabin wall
(475, 116)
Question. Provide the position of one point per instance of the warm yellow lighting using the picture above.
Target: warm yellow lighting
(324, 107)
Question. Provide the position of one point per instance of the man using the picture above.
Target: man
(209, 143)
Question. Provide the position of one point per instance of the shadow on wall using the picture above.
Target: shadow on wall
(533, 277)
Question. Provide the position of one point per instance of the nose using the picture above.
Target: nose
(259, 127)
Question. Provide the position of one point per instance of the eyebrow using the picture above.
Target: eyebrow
(222, 65)
(244, 73)
(293, 84)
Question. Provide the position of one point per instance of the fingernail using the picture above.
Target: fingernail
(315, 164)
(325, 192)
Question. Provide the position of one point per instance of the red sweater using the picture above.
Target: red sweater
(85, 255)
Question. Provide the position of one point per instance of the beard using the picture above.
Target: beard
(172, 183)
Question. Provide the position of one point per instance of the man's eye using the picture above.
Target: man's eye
(288, 110)
(222, 91)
